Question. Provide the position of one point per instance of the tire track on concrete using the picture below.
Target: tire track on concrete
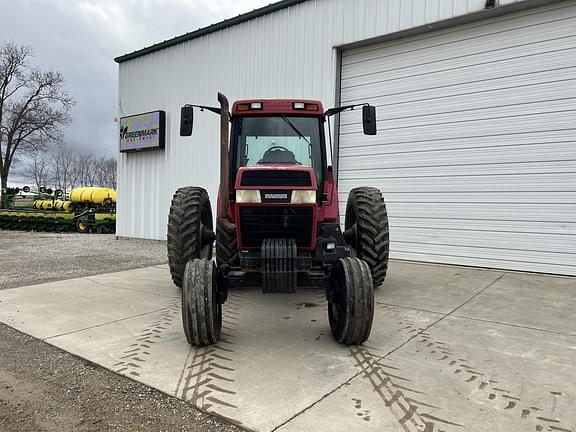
(404, 406)
(402, 400)
(208, 379)
(497, 394)
(135, 355)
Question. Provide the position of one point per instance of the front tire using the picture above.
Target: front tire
(366, 230)
(190, 233)
(351, 301)
(201, 306)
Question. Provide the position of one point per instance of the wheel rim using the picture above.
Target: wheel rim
(336, 305)
(82, 226)
(337, 311)
(186, 317)
(216, 305)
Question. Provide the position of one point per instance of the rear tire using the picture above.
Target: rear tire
(351, 301)
(190, 233)
(366, 230)
(102, 229)
(201, 307)
(226, 244)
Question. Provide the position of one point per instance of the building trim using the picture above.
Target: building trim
(266, 10)
(452, 22)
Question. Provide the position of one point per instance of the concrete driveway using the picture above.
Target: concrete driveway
(452, 349)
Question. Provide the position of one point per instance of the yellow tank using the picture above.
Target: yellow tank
(75, 194)
(86, 194)
(63, 205)
(47, 204)
(99, 195)
(67, 206)
(81, 194)
(94, 195)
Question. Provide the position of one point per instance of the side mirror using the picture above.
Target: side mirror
(186, 120)
(369, 119)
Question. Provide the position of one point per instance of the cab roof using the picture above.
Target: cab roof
(256, 107)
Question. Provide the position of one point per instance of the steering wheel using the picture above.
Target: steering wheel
(277, 147)
(278, 154)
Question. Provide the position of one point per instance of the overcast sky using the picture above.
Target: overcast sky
(80, 38)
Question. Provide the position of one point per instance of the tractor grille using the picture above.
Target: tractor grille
(260, 222)
(276, 178)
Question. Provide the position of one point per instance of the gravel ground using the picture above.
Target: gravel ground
(43, 388)
(28, 258)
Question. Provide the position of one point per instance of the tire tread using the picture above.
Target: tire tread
(184, 223)
(226, 244)
(373, 230)
(202, 328)
(356, 323)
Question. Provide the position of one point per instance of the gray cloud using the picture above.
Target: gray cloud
(80, 38)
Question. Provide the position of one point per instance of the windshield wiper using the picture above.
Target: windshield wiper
(295, 129)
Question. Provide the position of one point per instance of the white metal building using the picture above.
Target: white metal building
(476, 103)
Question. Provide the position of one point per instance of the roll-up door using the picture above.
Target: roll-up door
(476, 144)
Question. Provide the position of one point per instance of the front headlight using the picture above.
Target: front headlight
(303, 197)
(248, 196)
(252, 196)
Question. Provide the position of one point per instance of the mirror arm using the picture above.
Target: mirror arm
(332, 111)
(215, 110)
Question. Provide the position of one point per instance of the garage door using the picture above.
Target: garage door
(476, 144)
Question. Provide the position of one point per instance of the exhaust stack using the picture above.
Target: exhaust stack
(224, 163)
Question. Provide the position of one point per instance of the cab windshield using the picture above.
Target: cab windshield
(279, 140)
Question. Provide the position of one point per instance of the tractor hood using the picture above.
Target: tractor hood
(276, 176)
(276, 201)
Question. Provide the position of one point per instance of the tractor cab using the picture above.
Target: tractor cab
(277, 219)
(275, 133)
(277, 172)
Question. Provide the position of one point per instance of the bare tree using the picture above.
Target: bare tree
(63, 175)
(106, 172)
(34, 106)
(84, 168)
(111, 172)
(37, 169)
(63, 167)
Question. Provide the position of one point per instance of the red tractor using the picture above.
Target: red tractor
(277, 222)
